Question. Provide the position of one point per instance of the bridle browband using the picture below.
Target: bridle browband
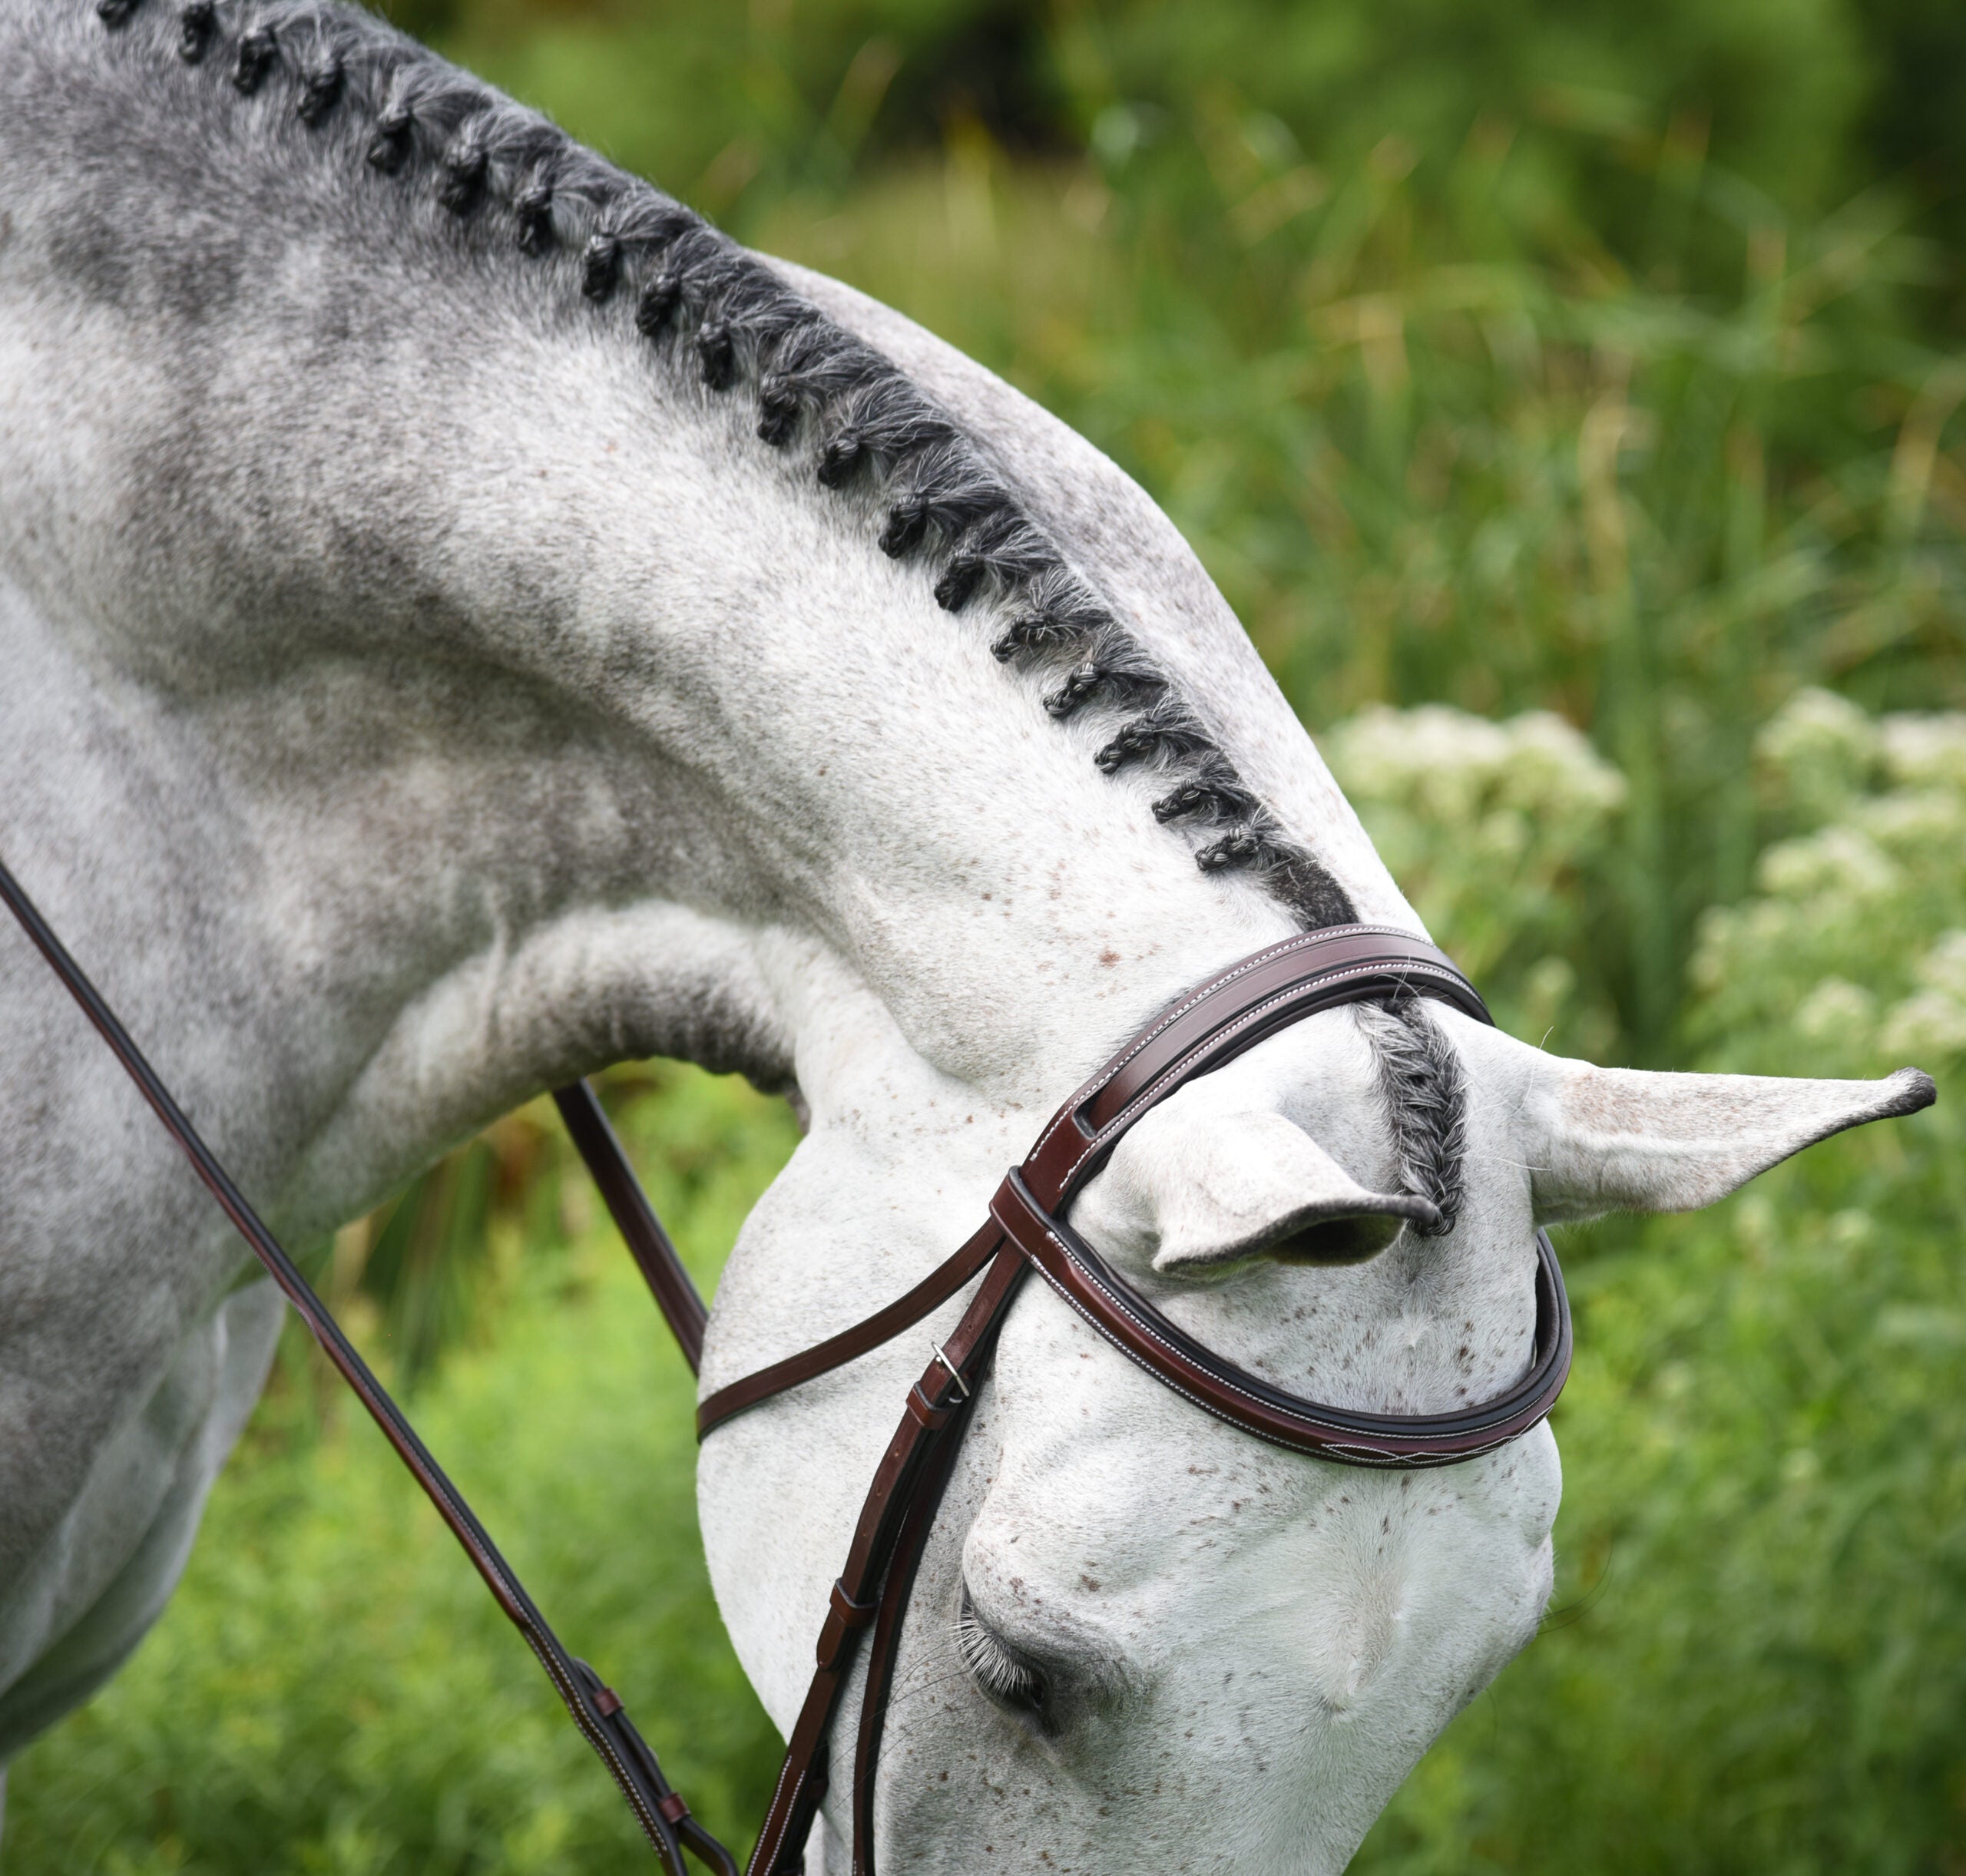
(1025, 1232)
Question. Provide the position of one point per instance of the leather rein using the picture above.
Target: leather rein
(1024, 1233)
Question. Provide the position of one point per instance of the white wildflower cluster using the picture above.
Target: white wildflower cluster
(1856, 940)
(1814, 754)
(1482, 824)
(1933, 1018)
(1505, 781)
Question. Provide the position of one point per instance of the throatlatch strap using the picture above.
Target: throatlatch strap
(863, 1338)
(596, 1708)
(675, 1292)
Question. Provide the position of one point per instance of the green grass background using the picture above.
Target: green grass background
(1499, 357)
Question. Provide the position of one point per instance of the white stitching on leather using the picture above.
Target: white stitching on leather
(1155, 1089)
(1303, 941)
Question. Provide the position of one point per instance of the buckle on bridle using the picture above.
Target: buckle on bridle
(955, 1373)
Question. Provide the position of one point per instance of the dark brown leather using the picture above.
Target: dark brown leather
(897, 1593)
(676, 1294)
(1091, 1288)
(894, 1498)
(1212, 1025)
(850, 1343)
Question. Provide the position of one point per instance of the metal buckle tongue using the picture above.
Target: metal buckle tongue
(955, 1373)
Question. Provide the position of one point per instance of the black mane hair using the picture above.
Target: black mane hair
(701, 301)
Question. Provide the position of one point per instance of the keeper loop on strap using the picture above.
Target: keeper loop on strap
(925, 1413)
(855, 1615)
(844, 1618)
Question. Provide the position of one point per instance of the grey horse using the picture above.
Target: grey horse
(464, 621)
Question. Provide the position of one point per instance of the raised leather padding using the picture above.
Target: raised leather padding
(1091, 1288)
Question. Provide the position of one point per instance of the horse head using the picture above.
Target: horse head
(1168, 1640)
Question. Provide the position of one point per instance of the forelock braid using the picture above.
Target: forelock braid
(1426, 1096)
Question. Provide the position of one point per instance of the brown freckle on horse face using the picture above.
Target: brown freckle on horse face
(1108, 956)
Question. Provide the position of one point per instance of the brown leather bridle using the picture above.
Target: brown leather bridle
(1025, 1232)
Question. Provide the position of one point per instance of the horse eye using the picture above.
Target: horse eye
(992, 1666)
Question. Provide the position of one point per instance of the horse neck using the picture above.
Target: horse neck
(512, 705)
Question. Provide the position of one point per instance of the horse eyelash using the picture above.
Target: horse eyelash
(994, 1668)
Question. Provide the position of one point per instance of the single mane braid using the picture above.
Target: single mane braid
(1426, 1099)
(703, 305)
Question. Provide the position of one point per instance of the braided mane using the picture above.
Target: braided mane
(362, 92)
(699, 302)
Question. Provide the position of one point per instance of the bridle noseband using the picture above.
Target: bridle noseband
(1024, 1232)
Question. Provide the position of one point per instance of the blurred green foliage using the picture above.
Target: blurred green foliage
(1532, 806)
(1751, 1662)
(1591, 368)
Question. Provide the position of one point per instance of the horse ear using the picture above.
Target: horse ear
(1604, 1139)
(1194, 1193)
